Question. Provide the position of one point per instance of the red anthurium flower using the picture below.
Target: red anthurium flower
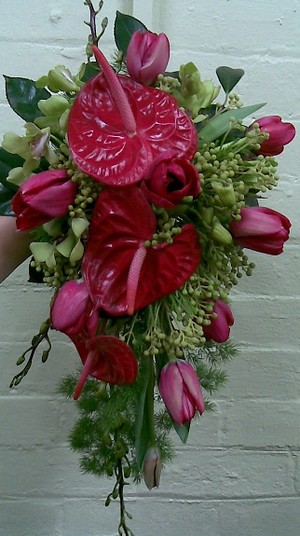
(73, 309)
(169, 179)
(180, 390)
(43, 197)
(118, 127)
(123, 275)
(280, 134)
(106, 358)
(147, 56)
(261, 229)
(219, 328)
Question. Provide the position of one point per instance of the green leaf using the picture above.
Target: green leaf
(8, 161)
(125, 26)
(23, 97)
(229, 77)
(7, 190)
(182, 431)
(218, 125)
(142, 433)
(90, 69)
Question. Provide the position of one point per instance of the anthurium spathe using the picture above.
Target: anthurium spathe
(43, 197)
(121, 273)
(147, 56)
(180, 390)
(106, 358)
(117, 127)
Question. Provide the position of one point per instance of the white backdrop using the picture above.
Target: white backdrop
(240, 473)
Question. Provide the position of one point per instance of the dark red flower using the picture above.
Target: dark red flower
(169, 179)
(43, 197)
(261, 229)
(118, 127)
(106, 358)
(122, 274)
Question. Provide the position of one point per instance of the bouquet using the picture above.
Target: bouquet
(143, 192)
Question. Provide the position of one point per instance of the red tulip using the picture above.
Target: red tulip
(106, 358)
(43, 197)
(169, 179)
(219, 328)
(117, 127)
(180, 390)
(147, 56)
(261, 229)
(121, 273)
(72, 309)
(280, 134)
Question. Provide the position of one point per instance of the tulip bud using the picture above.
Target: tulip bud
(220, 234)
(219, 328)
(152, 468)
(147, 56)
(280, 134)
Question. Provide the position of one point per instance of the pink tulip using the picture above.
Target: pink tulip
(280, 134)
(180, 390)
(72, 309)
(147, 56)
(261, 229)
(43, 197)
(219, 328)
(152, 468)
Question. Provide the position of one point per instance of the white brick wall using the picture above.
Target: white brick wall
(240, 473)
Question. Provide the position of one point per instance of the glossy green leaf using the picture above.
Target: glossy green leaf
(229, 77)
(125, 26)
(182, 431)
(218, 125)
(90, 69)
(23, 97)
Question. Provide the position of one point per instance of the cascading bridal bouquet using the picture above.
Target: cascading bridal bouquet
(141, 193)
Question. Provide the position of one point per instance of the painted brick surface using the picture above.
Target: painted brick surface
(240, 473)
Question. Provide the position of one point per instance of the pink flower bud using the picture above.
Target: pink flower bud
(261, 229)
(147, 56)
(180, 390)
(72, 309)
(43, 197)
(280, 134)
(152, 468)
(219, 328)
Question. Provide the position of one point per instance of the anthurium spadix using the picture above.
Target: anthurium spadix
(122, 273)
(117, 127)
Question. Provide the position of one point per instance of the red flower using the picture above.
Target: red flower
(280, 134)
(147, 56)
(118, 127)
(219, 328)
(106, 358)
(121, 273)
(43, 197)
(73, 309)
(261, 229)
(169, 179)
(180, 390)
